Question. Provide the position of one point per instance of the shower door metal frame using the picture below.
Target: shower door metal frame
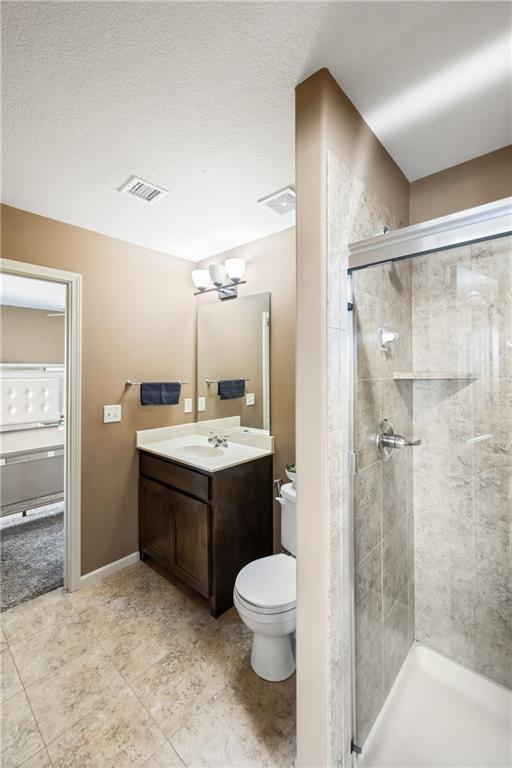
(484, 222)
(480, 223)
(352, 469)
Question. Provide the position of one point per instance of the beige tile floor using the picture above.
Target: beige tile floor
(133, 671)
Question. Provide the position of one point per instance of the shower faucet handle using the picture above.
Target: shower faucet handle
(386, 440)
(397, 441)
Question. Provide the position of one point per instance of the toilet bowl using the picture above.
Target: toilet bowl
(264, 596)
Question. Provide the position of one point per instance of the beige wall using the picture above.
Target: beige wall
(311, 451)
(326, 120)
(349, 138)
(30, 336)
(138, 323)
(271, 267)
(463, 186)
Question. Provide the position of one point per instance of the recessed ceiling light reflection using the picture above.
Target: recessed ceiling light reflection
(446, 88)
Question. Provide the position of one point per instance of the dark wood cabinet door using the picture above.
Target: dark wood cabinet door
(203, 528)
(156, 521)
(190, 542)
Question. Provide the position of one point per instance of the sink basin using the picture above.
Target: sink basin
(199, 451)
(188, 444)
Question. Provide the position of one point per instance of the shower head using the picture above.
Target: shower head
(387, 337)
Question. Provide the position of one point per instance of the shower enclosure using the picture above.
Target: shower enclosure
(431, 502)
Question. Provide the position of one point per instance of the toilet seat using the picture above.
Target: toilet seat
(257, 610)
(267, 585)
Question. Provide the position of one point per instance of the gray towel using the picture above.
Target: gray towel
(229, 389)
(160, 393)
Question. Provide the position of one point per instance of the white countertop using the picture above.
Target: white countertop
(188, 444)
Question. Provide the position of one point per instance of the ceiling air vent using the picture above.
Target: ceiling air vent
(281, 202)
(143, 190)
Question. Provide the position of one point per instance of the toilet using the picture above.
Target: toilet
(265, 598)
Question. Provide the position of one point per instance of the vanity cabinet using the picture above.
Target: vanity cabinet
(204, 527)
(174, 531)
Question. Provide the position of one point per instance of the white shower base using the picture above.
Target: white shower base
(441, 715)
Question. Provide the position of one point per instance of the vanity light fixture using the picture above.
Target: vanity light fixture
(233, 268)
(217, 274)
(201, 279)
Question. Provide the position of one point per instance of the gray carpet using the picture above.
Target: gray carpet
(31, 554)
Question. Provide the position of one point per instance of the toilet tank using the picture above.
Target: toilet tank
(288, 518)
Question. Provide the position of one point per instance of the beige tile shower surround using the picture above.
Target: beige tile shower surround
(432, 525)
(353, 213)
(383, 521)
(462, 322)
(133, 671)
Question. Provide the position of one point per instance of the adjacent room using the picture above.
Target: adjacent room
(32, 314)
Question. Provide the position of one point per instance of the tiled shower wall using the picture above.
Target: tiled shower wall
(433, 552)
(383, 522)
(462, 326)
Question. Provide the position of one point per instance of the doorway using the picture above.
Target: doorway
(40, 432)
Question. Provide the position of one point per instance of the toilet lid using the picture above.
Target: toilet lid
(268, 582)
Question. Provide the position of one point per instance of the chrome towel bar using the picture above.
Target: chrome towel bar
(129, 383)
(237, 378)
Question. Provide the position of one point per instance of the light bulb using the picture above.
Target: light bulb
(201, 279)
(235, 269)
(217, 273)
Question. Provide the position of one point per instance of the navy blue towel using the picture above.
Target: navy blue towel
(231, 388)
(160, 393)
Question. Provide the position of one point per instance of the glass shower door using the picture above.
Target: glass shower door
(432, 522)
(382, 489)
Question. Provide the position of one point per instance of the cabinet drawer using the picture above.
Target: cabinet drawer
(172, 474)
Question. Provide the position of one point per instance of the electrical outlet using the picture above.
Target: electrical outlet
(249, 398)
(111, 413)
(188, 405)
(201, 404)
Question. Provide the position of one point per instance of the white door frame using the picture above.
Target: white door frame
(73, 415)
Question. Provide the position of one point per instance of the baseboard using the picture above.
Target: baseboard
(107, 570)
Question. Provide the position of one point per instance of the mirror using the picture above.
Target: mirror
(233, 343)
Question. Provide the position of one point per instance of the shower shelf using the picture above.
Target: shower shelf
(425, 375)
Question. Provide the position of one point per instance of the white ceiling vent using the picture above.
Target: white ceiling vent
(143, 190)
(281, 202)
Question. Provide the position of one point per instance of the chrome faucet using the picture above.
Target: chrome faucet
(216, 441)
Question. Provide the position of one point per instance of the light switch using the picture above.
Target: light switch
(201, 404)
(188, 405)
(111, 413)
(249, 398)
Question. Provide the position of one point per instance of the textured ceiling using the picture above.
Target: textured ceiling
(198, 98)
